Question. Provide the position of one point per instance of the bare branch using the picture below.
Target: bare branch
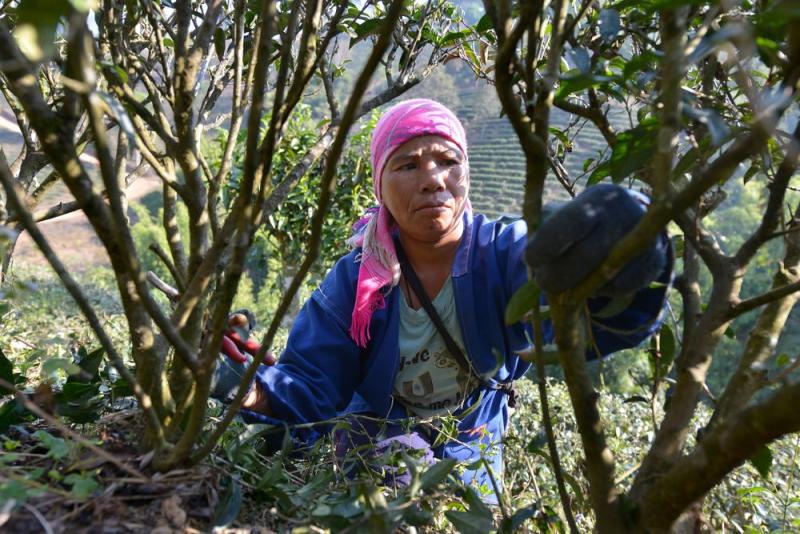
(673, 42)
(532, 145)
(170, 292)
(751, 372)
(201, 276)
(541, 383)
(703, 241)
(307, 58)
(765, 298)
(569, 330)
(594, 114)
(777, 194)
(330, 95)
(62, 208)
(162, 255)
(236, 115)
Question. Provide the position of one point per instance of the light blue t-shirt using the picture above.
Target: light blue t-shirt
(430, 381)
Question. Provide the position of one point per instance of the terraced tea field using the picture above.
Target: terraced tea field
(497, 162)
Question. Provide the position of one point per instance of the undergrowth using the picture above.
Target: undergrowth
(46, 477)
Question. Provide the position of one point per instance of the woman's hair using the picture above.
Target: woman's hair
(373, 232)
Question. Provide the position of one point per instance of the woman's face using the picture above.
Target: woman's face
(425, 185)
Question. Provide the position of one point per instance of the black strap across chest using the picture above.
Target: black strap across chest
(416, 286)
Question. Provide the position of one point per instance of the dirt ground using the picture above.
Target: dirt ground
(181, 501)
(71, 235)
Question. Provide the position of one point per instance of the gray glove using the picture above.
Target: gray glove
(578, 237)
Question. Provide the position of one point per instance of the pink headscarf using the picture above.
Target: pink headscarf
(373, 232)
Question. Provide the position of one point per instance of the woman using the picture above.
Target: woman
(363, 344)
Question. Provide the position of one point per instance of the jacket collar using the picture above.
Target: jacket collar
(461, 262)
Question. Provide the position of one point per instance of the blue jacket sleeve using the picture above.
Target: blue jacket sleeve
(624, 323)
(317, 373)
(616, 324)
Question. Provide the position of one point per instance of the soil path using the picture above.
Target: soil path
(71, 235)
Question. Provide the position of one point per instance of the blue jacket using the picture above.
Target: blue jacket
(323, 373)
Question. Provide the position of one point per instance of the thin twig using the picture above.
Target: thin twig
(171, 293)
(39, 517)
(547, 421)
(162, 255)
(765, 298)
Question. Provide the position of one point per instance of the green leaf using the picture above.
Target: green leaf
(484, 24)
(123, 120)
(522, 302)
(79, 401)
(537, 443)
(83, 486)
(123, 75)
(373, 496)
(51, 366)
(717, 128)
(469, 523)
(471, 55)
(347, 509)
(6, 372)
(713, 40)
(365, 29)
(688, 160)
(437, 473)
(651, 6)
(634, 149)
(37, 23)
(11, 413)
(750, 172)
(573, 81)
(219, 42)
(57, 448)
(452, 37)
(641, 63)
(762, 461)
(476, 506)
(614, 307)
(89, 365)
(513, 523)
(229, 505)
(84, 6)
(782, 360)
(417, 516)
(668, 349)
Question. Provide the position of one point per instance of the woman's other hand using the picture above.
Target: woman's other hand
(238, 350)
(577, 238)
(237, 343)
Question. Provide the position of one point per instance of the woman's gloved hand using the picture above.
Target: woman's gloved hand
(577, 238)
(237, 351)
